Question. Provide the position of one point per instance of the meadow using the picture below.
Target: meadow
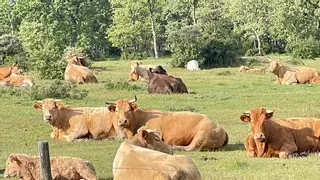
(221, 93)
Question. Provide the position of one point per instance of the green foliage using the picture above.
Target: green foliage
(189, 49)
(123, 85)
(304, 48)
(56, 89)
(131, 54)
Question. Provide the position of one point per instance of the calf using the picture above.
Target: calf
(140, 159)
(283, 136)
(62, 167)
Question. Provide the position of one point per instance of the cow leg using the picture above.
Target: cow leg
(77, 132)
(287, 149)
(197, 143)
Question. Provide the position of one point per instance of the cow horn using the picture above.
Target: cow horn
(269, 111)
(40, 102)
(247, 113)
(133, 100)
(57, 100)
(110, 102)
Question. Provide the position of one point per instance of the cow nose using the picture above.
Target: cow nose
(259, 136)
(6, 175)
(48, 117)
(123, 122)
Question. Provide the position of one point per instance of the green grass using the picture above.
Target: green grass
(221, 93)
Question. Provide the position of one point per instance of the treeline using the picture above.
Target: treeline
(37, 33)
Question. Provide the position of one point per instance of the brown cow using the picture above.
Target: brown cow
(186, 130)
(7, 71)
(164, 84)
(247, 69)
(70, 123)
(283, 136)
(62, 167)
(257, 148)
(135, 161)
(292, 75)
(75, 71)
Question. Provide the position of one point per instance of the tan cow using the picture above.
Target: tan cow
(138, 69)
(62, 167)
(247, 69)
(75, 71)
(283, 136)
(136, 161)
(70, 123)
(185, 130)
(20, 80)
(292, 75)
(8, 70)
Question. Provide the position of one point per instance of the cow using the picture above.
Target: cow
(185, 130)
(138, 69)
(75, 71)
(140, 159)
(70, 123)
(62, 167)
(257, 148)
(164, 84)
(283, 136)
(192, 65)
(19, 80)
(247, 69)
(292, 75)
(8, 70)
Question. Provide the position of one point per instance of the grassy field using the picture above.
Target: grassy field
(222, 93)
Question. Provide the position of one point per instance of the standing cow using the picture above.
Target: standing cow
(69, 123)
(283, 136)
(139, 158)
(185, 130)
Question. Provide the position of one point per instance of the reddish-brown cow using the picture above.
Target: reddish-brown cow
(284, 136)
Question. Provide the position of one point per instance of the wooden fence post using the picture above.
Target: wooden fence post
(44, 156)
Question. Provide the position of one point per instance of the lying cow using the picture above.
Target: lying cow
(69, 123)
(283, 136)
(292, 75)
(140, 159)
(247, 69)
(164, 84)
(19, 80)
(8, 70)
(257, 148)
(75, 71)
(62, 167)
(185, 130)
(138, 69)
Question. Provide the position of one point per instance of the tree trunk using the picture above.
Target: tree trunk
(259, 43)
(194, 12)
(155, 47)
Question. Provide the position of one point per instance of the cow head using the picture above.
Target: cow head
(15, 165)
(124, 110)
(151, 139)
(257, 117)
(275, 65)
(49, 109)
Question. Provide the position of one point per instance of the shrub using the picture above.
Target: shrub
(123, 85)
(304, 48)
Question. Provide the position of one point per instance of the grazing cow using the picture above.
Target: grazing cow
(69, 123)
(257, 148)
(247, 69)
(164, 84)
(62, 167)
(292, 75)
(186, 130)
(283, 136)
(7, 71)
(192, 65)
(75, 71)
(20, 80)
(140, 159)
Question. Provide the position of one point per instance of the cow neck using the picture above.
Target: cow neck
(270, 131)
(33, 172)
(63, 116)
(139, 119)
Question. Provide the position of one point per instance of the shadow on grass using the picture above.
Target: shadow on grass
(98, 69)
(108, 178)
(233, 147)
(1, 172)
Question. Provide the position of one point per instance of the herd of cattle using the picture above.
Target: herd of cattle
(152, 135)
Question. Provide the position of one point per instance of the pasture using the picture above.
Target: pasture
(221, 93)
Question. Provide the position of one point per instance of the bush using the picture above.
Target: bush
(130, 54)
(304, 48)
(56, 89)
(123, 85)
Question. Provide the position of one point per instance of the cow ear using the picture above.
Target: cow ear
(112, 108)
(140, 62)
(13, 157)
(134, 106)
(245, 118)
(38, 106)
(269, 114)
(59, 104)
(142, 136)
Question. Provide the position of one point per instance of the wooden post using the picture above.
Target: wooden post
(44, 156)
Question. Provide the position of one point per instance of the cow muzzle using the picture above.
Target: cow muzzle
(47, 118)
(123, 122)
(259, 136)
